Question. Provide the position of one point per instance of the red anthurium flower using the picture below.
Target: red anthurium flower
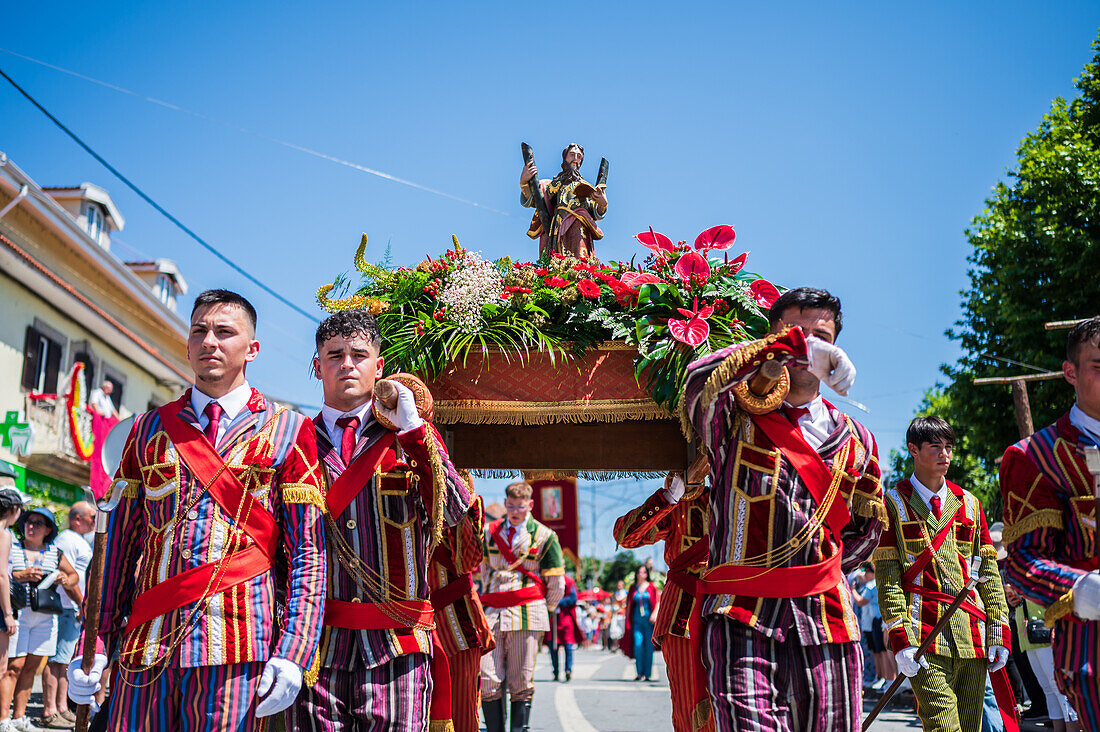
(736, 265)
(657, 242)
(637, 279)
(716, 237)
(695, 329)
(764, 293)
(692, 264)
(589, 289)
(557, 282)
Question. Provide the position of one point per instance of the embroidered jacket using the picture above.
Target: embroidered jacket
(1050, 518)
(167, 523)
(908, 616)
(679, 525)
(761, 511)
(461, 624)
(542, 556)
(386, 529)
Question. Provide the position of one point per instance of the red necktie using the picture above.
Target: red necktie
(511, 535)
(213, 413)
(794, 413)
(350, 425)
(936, 510)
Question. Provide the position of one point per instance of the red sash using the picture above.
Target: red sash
(344, 489)
(512, 598)
(450, 593)
(678, 571)
(204, 463)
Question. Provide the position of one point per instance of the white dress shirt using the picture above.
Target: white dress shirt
(232, 404)
(521, 539)
(926, 493)
(818, 424)
(329, 415)
(1085, 423)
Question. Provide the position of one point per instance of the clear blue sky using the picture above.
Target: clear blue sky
(848, 144)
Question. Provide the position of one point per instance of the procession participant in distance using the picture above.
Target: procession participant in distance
(522, 575)
(212, 487)
(459, 618)
(677, 515)
(391, 490)
(935, 541)
(795, 505)
(1050, 526)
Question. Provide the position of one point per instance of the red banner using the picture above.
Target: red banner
(99, 481)
(556, 506)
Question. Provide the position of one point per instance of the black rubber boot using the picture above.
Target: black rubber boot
(494, 715)
(521, 711)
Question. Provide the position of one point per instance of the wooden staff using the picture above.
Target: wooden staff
(91, 608)
(766, 378)
(944, 620)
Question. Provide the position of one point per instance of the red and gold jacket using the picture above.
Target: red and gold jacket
(459, 617)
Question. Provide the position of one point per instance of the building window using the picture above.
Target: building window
(94, 217)
(84, 357)
(164, 288)
(119, 382)
(41, 362)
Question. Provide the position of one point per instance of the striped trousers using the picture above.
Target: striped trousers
(760, 684)
(214, 698)
(513, 659)
(1076, 648)
(679, 663)
(950, 693)
(465, 689)
(392, 697)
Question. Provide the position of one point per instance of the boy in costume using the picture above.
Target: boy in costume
(795, 505)
(1050, 526)
(677, 515)
(391, 491)
(459, 618)
(936, 540)
(213, 489)
(522, 576)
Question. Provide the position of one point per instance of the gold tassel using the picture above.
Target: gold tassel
(1062, 607)
(439, 487)
(473, 411)
(700, 715)
(309, 678)
(441, 725)
(1047, 518)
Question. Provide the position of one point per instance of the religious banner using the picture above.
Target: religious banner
(556, 506)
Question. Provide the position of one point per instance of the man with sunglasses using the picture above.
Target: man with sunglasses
(523, 575)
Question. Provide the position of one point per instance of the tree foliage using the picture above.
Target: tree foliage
(621, 567)
(1036, 253)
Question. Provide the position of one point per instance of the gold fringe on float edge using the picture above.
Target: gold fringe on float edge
(471, 411)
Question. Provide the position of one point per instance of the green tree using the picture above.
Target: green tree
(1036, 252)
(620, 567)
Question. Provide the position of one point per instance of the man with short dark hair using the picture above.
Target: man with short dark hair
(936, 540)
(1050, 526)
(391, 492)
(795, 505)
(214, 489)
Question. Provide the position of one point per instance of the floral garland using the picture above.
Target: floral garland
(681, 303)
(74, 405)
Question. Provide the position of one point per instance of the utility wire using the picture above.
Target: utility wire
(156, 205)
(262, 136)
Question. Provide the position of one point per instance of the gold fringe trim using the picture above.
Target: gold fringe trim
(700, 715)
(552, 572)
(754, 404)
(1050, 518)
(869, 506)
(1062, 607)
(302, 493)
(439, 487)
(470, 411)
(441, 725)
(309, 678)
(987, 552)
(886, 554)
(723, 374)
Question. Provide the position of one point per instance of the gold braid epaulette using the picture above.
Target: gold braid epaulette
(1062, 607)
(1047, 518)
(886, 554)
(987, 551)
(439, 487)
(723, 373)
(302, 493)
(869, 506)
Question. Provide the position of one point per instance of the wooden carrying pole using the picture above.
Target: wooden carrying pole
(92, 597)
(766, 378)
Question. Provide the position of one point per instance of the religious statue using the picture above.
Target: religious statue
(567, 206)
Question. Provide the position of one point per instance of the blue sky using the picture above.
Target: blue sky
(849, 144)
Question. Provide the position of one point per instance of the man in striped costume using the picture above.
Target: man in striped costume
(1050, 526)
(212, 489)
(460, 620)
(795, 505)
(677, 515)
(522, 575)
(391, 491)
(936, 540)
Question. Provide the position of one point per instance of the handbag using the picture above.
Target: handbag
(18, 594)
(46, 600)
(1037, 632)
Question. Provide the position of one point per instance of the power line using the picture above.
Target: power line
(156, 205)
(262, 136)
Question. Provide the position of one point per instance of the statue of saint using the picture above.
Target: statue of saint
(572, 205)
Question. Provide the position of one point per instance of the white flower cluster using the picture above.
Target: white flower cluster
(472, 284)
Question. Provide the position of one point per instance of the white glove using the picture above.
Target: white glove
(83, 686)
(908, 664)
(830, 364)
(998, 657)
(1086, 596)
(674, 489)
(279, 684)
(405, 416)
